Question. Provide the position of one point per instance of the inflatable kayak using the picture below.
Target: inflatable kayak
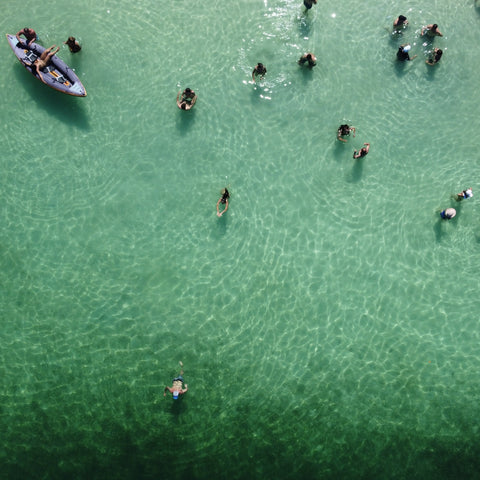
(57, 74)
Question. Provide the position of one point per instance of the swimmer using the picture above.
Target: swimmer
(309, 3)
(29, 34)
(344, 131)
(437, 55)
(308, 57)
(400, 22)
(187, 100)
(448, 213)
(259, 70)
(362, 152)
(73, 45)
(403, 54)
(465, 194)
(223, 200)
(432, 30)
(177, 386)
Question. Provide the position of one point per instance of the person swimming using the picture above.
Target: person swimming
(187, 100)
(468, 193)
(344, 131)
(362, 152)
(223, 200)
(29, 34)
(402, 53)
(437, 55)
(448, 213)
(259, 70)
(308, 57)
(73, 45)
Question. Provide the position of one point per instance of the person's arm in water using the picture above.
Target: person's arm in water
(353, 130)
(339, 136)
(219, 213)
(184, 390)
(165, 391)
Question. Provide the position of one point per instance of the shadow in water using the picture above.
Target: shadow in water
(304, 24)
(221, 225)
(357, 170)
(185, 120)
(66, 108)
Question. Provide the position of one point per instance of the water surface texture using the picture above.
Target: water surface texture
(328, 322)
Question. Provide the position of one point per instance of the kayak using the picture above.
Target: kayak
(57, 74)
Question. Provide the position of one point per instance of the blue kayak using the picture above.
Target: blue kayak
(57, 74)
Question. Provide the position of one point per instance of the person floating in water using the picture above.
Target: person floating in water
(344, 131)
(362, 152)
(259, 70)
(177, 386)
(437, 55)
(308, 57)
(43, 61)
(187, 100)
(73, 45)
(29, 34)
(223, 200)
(400, 23)
(432, 31)
(448, 213)
(465, 194)
(309, 3)
(402, 53)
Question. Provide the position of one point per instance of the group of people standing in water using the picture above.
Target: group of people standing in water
(430, 31)
(186, 99)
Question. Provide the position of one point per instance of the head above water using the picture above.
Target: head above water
(401, 18)
(188, 90)
(434, 27)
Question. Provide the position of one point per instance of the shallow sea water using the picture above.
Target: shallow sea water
(328, 323)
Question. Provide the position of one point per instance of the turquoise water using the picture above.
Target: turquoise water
(328, 323)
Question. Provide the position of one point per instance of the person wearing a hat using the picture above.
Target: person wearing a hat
(465, 194)
(403, 54)
(448, 213)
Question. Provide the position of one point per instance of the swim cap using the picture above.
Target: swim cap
(406, 48)
(175, 395)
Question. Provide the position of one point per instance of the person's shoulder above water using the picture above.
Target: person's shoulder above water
(362, 152)
(308, 58)
(187, 99)
(432, 30)
(401, 21)
(309, 3)
(29, 34)
(435, 58)
(224, 201)
(467, 193)
(259, 70)
(73, 45)
(344, 130)
(402, 53)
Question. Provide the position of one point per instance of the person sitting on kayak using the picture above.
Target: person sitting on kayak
(43, 61)
(187, 100)
(29, 34)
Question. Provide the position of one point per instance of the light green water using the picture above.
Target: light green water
(328, 323)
